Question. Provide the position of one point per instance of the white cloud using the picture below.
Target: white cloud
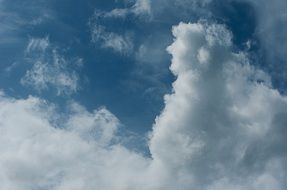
(50, 68)
(139, 8)
(223, 127)
(36, 44)
(142, 7)
(37, 155)
(216, 127)
(118, 43)
(100, 125)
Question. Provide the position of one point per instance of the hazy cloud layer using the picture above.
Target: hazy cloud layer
(223, 127)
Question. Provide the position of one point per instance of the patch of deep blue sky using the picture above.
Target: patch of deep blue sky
(131, 89)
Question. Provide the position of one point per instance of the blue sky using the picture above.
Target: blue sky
(169, 86)
(108, 77)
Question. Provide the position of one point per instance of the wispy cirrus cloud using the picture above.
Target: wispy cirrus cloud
(37, 44)
(138, 8)
(50, 69)
(119, 43)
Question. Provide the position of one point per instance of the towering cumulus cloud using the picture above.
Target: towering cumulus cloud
(223, 127)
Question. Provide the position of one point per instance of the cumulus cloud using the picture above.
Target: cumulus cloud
(50, 69)
(223, 127)
(38, 155)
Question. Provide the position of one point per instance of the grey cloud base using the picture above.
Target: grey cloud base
(223, 127)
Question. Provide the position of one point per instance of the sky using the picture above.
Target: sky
(143, 94)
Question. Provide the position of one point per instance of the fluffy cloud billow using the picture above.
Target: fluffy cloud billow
(222, 127)
(36, 153)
